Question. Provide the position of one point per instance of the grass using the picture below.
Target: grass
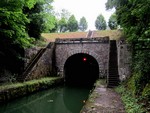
(16, 85)
(100, 82)
(130, 102)
(14, 90)
(94, 94)
(40, 43)
(113, 35)
(50, 37)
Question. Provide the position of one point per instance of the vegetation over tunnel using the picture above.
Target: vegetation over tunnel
(81, 69)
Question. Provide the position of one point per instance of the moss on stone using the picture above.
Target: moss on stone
(11, 91)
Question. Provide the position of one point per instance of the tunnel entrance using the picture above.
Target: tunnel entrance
(81, 69)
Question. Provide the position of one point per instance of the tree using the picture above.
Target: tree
(19, 21)
(111, 4)
(13, 33)
(62, 17)
(41, 18)
(72, 24)
(112, 23)
(65, 14)
(62, 25)
(50, 23)
(35, 27)
(83, 24)
(133, 16)
(100, 23)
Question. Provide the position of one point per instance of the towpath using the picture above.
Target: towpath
(103, 100)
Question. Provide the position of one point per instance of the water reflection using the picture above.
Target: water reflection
(59, 100)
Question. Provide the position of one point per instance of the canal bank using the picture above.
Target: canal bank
(103, 100)
(14, 90)
(64, 99)
(61, 99)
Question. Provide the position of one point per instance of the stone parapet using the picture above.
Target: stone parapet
(82, 40)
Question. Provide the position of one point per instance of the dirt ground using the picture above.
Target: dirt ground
(103, 100)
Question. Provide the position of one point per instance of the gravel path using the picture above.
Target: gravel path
(103, 100)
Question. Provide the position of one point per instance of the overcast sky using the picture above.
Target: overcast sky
(90, 9)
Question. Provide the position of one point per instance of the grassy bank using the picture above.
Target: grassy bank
(131, 102)
(13, 90)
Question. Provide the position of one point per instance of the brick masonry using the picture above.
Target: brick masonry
(98, 48)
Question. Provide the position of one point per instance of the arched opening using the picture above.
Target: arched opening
(81, 69)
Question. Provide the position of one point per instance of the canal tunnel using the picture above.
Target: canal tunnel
(81, 69)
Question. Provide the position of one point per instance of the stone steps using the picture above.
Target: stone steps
(31, 65)
(113, 77)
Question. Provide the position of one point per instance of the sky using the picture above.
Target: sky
(90, 9)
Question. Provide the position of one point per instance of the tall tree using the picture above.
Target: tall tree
(112, 23)
(111, 4)
(65, 14)
(62, 17)
(62, 25)
(100, 23)
(83, 24)
(72, 24)
(41, 18)
(13, 36)
(19, 21)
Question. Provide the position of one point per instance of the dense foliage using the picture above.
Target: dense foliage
(112, 23)
(72, 24)
(62, 25)
(66, 22)
(83, 24)
(133, 16)
(100, 23)
(13, 36)
(62, 20)
(19, 21)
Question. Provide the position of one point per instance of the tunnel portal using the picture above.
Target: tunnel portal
(81, 69)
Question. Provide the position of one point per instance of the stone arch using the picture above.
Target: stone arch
(91, 53)
(81, 69)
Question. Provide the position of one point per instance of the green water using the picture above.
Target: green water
(58, 100)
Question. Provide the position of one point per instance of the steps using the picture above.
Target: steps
(31, 65)
(113, 76)
(89, 34)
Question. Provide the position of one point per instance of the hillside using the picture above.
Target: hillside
(113, 34)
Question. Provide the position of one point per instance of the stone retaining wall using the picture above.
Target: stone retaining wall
(124, 59)
(44, 66)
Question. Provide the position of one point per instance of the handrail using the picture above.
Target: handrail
(32, 63)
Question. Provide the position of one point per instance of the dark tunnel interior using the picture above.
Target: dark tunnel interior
(81, 69)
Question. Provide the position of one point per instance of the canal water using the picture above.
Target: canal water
(65, 99)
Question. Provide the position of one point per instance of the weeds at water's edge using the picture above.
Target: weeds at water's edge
(31, 82)
(93, 94)
(130, 102)
(14, 90)
(100, 82)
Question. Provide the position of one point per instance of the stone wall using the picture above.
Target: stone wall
(57, 53)
(124, 59)
(98, 48)
(44, 66)
(29, 55)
